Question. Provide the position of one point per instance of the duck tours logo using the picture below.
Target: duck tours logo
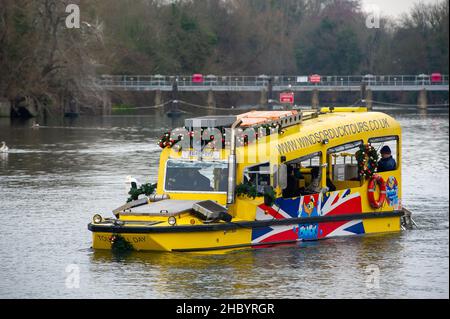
(392, 191)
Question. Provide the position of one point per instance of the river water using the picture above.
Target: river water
(56, 177)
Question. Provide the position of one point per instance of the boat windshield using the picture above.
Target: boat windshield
(189, 176)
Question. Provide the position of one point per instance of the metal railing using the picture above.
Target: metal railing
(251, 83)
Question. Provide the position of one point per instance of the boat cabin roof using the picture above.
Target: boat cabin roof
(294, 132)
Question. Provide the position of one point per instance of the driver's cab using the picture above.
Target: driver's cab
(303, 175)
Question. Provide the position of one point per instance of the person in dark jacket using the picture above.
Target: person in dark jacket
(387, 162)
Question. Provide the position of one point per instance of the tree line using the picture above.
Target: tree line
(41, 58)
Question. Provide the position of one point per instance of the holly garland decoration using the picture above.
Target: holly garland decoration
(212, 143)
(195, 137)
(260, 132)
(144, 189)
(367, 158)
(242, 140)
(120, 244)
(249, 190)
(270, 197)
(166, 141)
(270, 128)
(246, 190)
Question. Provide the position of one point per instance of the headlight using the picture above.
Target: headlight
(172, 221)
(97, 219)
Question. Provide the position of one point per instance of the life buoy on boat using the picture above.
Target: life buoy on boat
(374, 181)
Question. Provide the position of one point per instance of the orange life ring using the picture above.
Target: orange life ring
(374, 181)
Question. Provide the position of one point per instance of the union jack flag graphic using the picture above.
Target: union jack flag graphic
(329, 204)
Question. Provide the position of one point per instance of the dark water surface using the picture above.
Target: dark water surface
(56, 177)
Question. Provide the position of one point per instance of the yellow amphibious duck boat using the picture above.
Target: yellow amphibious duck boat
(266, 178)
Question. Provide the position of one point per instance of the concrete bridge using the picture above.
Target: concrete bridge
(366, 84)
(277, 83)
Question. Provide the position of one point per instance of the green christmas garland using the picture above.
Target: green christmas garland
(144, 189)
(270, 197)
(246, 190)
(120, 244)
(166, 141)
(249, 190)
(270, 128)
(260, 131)
(367, 157)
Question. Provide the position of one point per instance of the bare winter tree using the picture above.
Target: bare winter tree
(44, 61)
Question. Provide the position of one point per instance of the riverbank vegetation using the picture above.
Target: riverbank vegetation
(42, 60)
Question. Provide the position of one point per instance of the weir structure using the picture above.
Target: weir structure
(267, 85)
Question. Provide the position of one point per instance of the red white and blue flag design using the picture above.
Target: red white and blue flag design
(329, 204)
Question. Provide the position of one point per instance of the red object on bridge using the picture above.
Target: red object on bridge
(287, 97)
(197, 78)
(436, 77)
(315, 78)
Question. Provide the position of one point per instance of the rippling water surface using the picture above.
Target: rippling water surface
(57, 176)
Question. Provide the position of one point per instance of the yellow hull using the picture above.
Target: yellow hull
(214, 240)
(226, 239)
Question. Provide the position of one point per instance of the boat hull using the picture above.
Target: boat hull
(238, 235)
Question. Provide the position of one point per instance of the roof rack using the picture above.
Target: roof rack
(283, 118)
(254, 118)
(211, 121)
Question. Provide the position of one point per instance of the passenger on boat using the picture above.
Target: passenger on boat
(387, 162)
(314, 187)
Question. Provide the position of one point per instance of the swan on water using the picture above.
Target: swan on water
(4, 148)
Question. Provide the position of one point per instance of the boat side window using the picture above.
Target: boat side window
(304, 176)
(258, 175)
(196, 176)
(342, 169)
(387, 148)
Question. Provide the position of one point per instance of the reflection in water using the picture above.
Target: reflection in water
(194, 273)
(422, 112)
(56, 177)
(4, 160)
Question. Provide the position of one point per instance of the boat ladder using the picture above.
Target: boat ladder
(407, 222)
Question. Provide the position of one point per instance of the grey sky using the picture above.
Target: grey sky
(394, 7)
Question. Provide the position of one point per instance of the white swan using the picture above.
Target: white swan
(4, 148)
(131, 183)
